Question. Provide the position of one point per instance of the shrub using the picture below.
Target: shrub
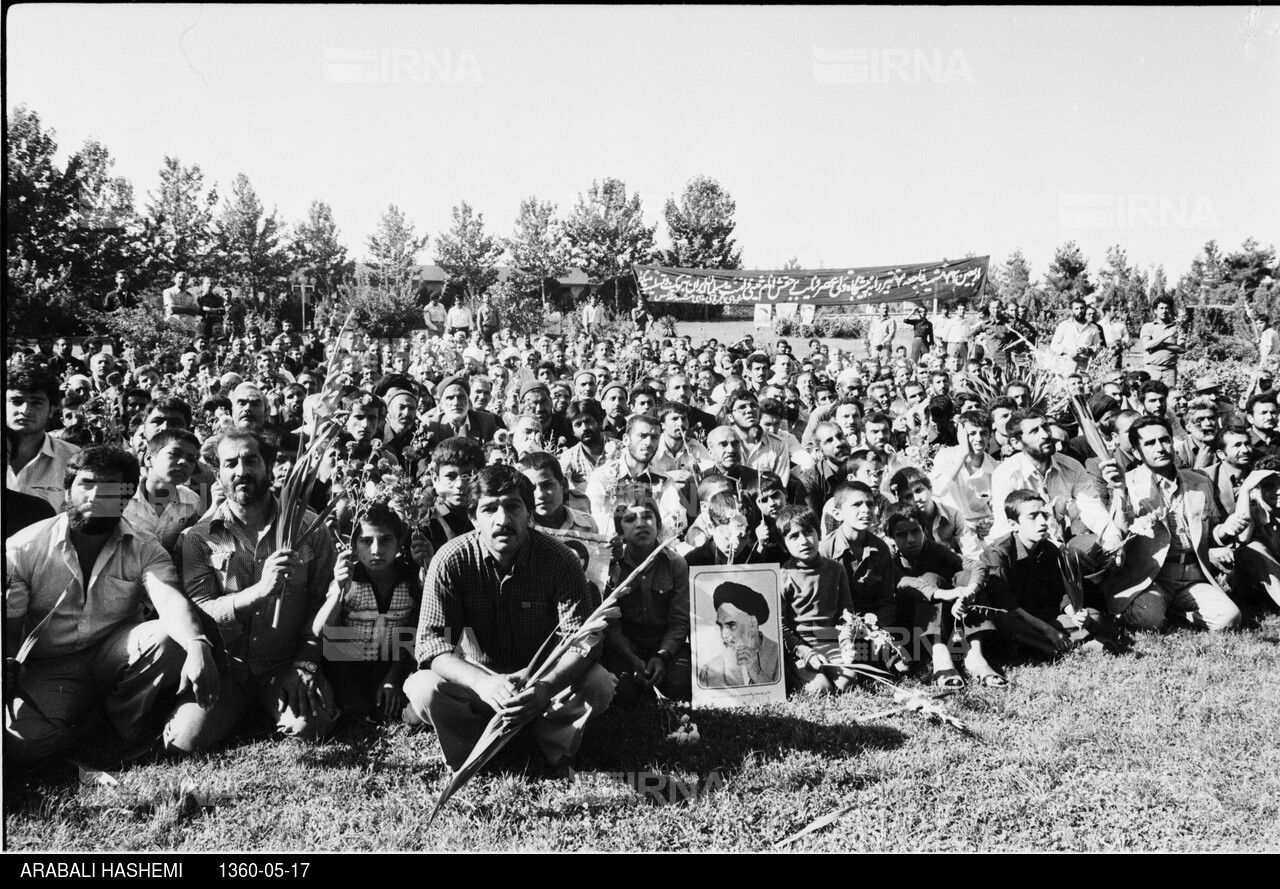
(384, 313)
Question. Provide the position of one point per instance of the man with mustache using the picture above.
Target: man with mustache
(493, 582)
(263, 599)
(94, 649)
(584, 417)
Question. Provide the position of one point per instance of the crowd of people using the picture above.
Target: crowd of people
(310, 525)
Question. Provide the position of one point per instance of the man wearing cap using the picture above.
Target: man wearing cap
(456, 417)
(402, 415)
(535, 401)
(750, 657)
(615, 403)
(1208, 388)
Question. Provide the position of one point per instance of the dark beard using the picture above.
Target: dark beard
(96, 526)
(590, 436)
(255, 492)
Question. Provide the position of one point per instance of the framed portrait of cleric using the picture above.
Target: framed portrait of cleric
(736, 632)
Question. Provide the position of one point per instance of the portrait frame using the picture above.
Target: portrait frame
(717, 680)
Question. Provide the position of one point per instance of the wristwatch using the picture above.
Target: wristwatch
(308, 667)
(665, 655)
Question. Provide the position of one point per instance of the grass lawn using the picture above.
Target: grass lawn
(1174, 745)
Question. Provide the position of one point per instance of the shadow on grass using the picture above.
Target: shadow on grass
(639, 739)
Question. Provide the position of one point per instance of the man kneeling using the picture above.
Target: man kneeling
(90, 645)
(492, 597)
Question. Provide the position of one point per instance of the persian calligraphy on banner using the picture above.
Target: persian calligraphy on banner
(946, 281)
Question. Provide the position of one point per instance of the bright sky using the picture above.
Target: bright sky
(847, 136)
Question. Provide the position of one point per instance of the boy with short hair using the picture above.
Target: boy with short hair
(368, 643)
(453, 462)
(648, 646)
(866, 559)
(936, 585)
(1024, 577)
(815, 596)
(163, 506)
(732, 541)
(942, 523)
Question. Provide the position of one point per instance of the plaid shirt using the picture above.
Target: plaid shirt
(220, 559)
(499, 622)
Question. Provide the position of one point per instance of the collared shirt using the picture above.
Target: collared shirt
(769, 454)
(1165, 335)
(1027, 579)
(459, 316)
(968, 491)
(869, 567)
(44, 476)
(41, 563)
(690, 457)
(1067, 488)
(1176, 517)
(181, 511)
(578, 464)
(609, 482)
(498, 621)
(1072, 336)
(656, 609)
(220, 559)
(435, 315)
(369, 627)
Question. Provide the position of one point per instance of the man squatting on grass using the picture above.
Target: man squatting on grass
(1000, 532)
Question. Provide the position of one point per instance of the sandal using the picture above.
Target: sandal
(947, 679)
(991, 680)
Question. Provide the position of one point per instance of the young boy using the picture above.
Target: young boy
(733, 539)
(453, 462)
(865, 466)
(163, 506)
(866, 559)
(368, 643)
(942, 523)
(934, 585)
(815, 596)
(769, 496)
(1024, 577)
(700, 529)
(648, 647)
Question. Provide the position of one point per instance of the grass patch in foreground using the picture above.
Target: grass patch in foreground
(1173, 745)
